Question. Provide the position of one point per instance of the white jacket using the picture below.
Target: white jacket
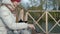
(10, 20)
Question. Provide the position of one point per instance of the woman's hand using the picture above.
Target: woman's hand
(31, 26)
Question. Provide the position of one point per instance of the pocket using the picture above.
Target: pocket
(3, 30)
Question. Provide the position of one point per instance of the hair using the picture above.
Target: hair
(15, 0)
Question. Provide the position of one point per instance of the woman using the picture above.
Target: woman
(8, 18)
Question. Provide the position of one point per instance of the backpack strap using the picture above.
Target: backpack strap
(9, 8)
(12, 11)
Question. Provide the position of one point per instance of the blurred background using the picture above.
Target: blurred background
(40, 7)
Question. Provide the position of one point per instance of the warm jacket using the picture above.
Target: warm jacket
(10, 20)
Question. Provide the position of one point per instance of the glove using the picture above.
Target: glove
(22, 21)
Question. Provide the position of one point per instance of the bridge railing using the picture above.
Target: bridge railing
(48, 16)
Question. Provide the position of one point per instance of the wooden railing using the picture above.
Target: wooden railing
(46, 15)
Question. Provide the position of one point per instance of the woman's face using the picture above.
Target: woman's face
(15, 3)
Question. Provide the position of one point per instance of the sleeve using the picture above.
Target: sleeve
(9, 21)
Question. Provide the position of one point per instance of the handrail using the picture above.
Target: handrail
(46, 13)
